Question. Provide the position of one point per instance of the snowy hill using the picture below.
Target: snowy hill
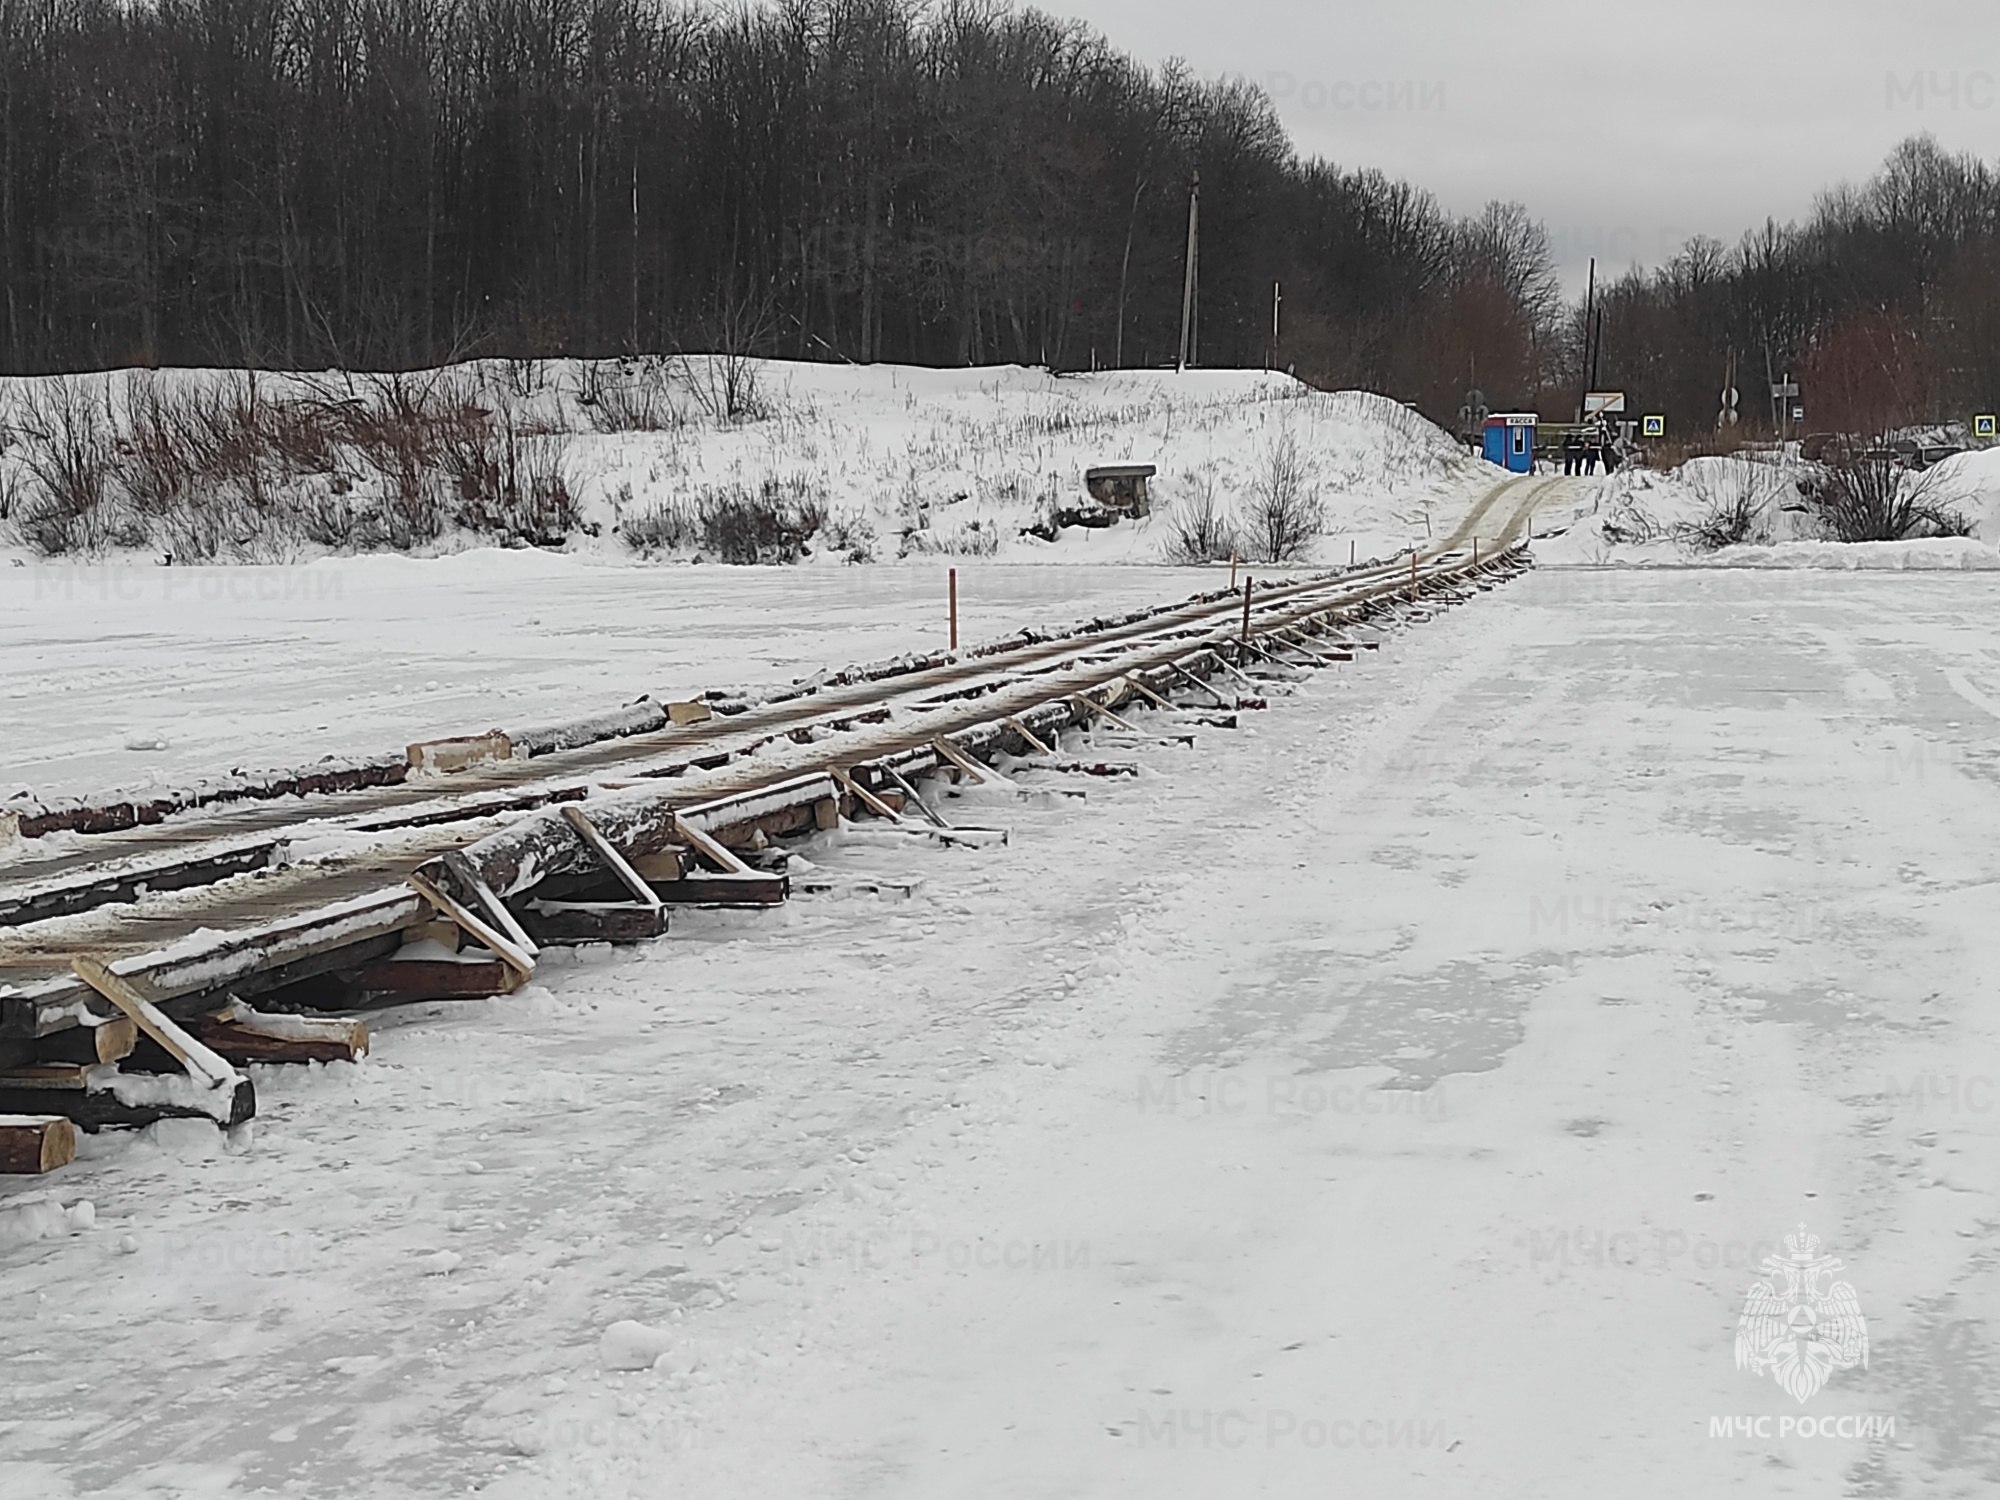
(638, 457)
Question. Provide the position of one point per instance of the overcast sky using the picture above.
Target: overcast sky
(1626, 127)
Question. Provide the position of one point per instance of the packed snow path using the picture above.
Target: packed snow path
(1392, 1098)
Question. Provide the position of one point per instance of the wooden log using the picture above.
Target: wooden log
(247, 1036)
(750, 889)
(555, 923)
(105, 1043)
(440, 978)
(33, 1144)
(95, 1109)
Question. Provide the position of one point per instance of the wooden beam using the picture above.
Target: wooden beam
(608, 852)
(201, 1064)
(929, 814)
(865, 797)
(709, 848)
(515, 957)
(1132, 679)
(1034, 740)
(754, 889)
(950, 752)
(33, 1144)
(475, 886)
(1098, 708)
(1180, 671)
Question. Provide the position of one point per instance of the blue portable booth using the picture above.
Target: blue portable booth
(1510, 441)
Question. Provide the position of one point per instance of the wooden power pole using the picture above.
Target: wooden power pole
(1189, 351)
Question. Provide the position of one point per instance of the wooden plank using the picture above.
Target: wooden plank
(516, 958)
(1098, 708)
(33, 1144)
(867, 798)
(709, 848)
(608, 852)
(201, 1064)
(459, 753)
(754, 889)
(1034, 741)
(929, 814)
(1132, 679)
(496, 909)
(968, 765)
(1194, 681)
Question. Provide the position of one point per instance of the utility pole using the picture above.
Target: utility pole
(1589, 314)
(1188, 349)
(1277, 300)
(632, 339)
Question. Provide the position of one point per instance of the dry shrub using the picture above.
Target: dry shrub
(1285, 511)
(1200, 530)
(1862, 498)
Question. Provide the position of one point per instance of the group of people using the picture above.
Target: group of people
(1584, 449)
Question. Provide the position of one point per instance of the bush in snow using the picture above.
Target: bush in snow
(1285, 512)
(1865, 499)
(1199, 530)
(66, 436)
(1734, 495)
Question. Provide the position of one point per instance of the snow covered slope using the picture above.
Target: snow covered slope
(899, 461)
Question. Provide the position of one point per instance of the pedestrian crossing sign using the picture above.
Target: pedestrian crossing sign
(1656, 427)
(1987, 426)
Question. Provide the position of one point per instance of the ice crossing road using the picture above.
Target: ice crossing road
(1346, 1106)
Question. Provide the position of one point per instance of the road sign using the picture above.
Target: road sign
(1986, 425)
(1784, 390)
(1597, 403)
(1656, 426)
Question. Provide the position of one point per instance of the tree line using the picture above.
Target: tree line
(394, 183)
(397, 183)
(1883, 306)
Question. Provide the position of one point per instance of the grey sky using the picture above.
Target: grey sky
(1626, 127)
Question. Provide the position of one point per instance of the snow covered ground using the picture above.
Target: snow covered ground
(122, 675)
(1391, 1098)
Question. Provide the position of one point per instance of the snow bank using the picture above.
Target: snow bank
(1641, 518)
